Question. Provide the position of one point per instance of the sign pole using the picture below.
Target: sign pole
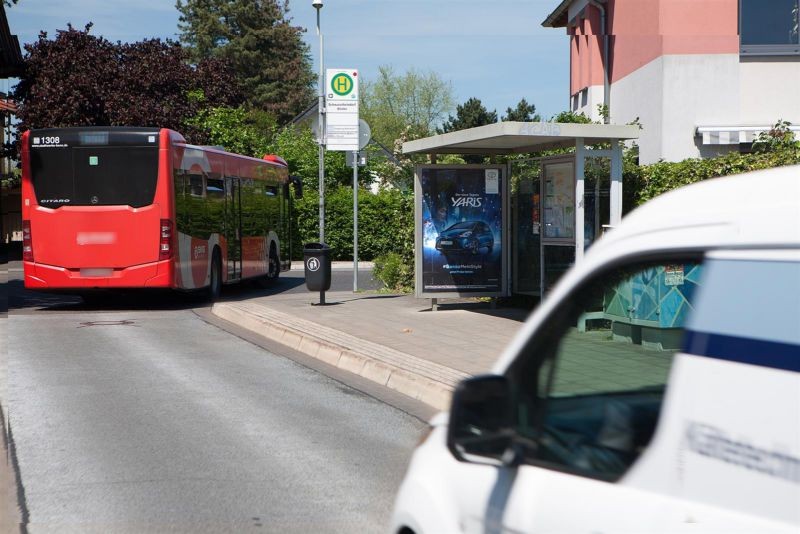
(321, 127)
(343, 133)
(355, 221)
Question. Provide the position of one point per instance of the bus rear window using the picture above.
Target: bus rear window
(94, 176)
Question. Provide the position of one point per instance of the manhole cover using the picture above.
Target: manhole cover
(108, 323)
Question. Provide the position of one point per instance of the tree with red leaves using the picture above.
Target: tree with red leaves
(79, 79)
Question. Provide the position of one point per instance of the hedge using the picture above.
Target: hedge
(385, 223)
(649, 181)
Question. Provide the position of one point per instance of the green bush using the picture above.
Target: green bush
(650, 181)
(394, 271)
(385, 223)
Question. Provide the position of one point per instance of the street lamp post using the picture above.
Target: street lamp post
(321, 127)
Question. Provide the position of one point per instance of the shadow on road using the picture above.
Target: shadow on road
(20, 298)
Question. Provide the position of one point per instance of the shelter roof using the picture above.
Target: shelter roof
(518, 138)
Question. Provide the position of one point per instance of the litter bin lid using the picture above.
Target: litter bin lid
(315, 246)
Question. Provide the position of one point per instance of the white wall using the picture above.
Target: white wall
(640, 94)
(769, 90)
(588, 100)
(672, 95)
(699, 89)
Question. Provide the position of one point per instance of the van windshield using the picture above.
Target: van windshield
(68, 174)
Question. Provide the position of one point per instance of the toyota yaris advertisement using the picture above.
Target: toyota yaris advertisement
(471, 236)
(460, 234)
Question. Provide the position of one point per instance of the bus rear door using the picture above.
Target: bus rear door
(233, 225)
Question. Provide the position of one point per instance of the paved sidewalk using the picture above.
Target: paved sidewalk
(394, 340)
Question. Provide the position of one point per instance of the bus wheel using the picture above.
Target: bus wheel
(274, 264)
(273, 270)
(215, 284)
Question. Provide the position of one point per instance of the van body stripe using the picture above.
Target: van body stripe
(777, 355)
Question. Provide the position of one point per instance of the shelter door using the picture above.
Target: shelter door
(526, 226)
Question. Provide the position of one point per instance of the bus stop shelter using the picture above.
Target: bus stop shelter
(550, 214)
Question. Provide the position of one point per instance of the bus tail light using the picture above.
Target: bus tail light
(165, 244)
(27, 242)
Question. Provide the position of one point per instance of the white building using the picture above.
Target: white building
(703, 77)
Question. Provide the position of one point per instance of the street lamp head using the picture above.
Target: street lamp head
(317, 4)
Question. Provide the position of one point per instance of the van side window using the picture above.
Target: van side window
(592, 400)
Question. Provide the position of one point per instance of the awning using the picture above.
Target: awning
(734, 135)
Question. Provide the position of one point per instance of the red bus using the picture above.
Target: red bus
(119, 207)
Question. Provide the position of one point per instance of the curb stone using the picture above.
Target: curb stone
(414, 377)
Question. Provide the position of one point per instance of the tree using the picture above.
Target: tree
(257, 38)
(412, 104)
(159, 72)
(469, 115)
(571, 117)
(237, 129)
(78, 79)
(298, 146)
(65, 80)
(779, 137)
(524, 112)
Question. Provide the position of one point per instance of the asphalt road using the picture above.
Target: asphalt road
(139, 416)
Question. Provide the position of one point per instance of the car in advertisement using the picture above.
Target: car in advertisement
(469, 236)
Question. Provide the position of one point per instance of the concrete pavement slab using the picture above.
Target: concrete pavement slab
(394, 340)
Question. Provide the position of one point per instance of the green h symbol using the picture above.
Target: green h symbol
(342, 84)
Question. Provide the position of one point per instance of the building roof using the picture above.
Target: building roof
(10, 56)
(309, 114)
(518, 138)
(8, 105)
(559, 17)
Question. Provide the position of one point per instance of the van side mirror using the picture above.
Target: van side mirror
(481, 423)
(297, 183)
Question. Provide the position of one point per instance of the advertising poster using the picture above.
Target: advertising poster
(461, 225)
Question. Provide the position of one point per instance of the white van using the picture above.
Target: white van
(656, 389)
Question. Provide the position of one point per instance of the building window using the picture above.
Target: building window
(769, 27)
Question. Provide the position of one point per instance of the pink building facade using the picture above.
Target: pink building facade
(703, 77)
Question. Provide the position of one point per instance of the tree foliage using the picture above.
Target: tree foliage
(400, 108)
(779, 137)
(237, 129)
(650, 181)
(470, 114)
(79, 79)
(523, 112)
(411, 104)
(257, 38)
(571, 117)
(299, 148)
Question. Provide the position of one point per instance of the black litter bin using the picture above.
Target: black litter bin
(317, 260)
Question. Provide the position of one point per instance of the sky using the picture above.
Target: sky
(494, 50)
